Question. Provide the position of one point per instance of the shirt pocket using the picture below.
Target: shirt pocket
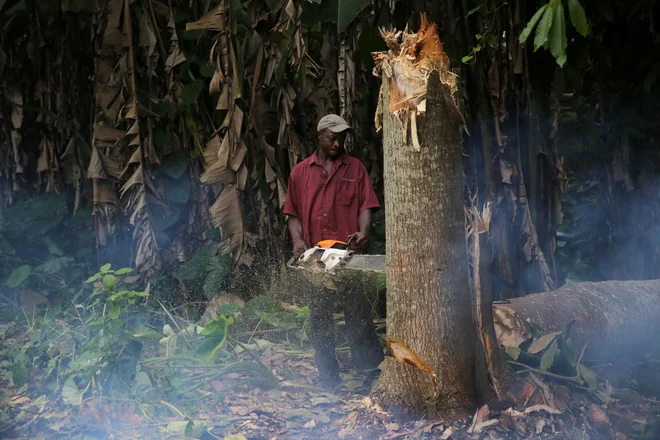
(346, 195)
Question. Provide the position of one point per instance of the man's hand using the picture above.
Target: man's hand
(295, 229)
(361, 239)
(299, 248)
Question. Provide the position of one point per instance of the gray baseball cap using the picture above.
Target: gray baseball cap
(334, 123)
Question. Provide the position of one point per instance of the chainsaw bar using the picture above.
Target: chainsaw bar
(364, 263)
(368, 263)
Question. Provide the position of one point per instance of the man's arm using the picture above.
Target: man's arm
(364, 225)
(291, 209)
(368, 202)
(296, 231)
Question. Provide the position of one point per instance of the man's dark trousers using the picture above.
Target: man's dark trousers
(366, 352)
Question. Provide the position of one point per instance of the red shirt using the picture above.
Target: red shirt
(328, 206)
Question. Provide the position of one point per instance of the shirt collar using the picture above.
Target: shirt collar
(315, 158)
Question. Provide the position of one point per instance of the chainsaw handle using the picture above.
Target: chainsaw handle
(351, 239)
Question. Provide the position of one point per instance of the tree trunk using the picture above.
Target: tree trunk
(428, 300)
(616, 318)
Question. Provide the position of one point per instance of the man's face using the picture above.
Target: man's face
(332, 143)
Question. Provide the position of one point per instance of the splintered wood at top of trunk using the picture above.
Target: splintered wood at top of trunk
(616, 318)
(428, 302)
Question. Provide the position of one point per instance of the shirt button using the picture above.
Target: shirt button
(324, 215)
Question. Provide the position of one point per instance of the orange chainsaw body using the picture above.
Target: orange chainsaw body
(332, 244)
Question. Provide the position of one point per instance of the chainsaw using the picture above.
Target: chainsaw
(326, 255)
(331, 260)
(331, 256)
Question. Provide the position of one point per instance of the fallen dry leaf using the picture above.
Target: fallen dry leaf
(598, 416)
(480, 417)
(392, 426)
(351, 421)
(429, 427)
(546, 408)
(20, 399)
(480, 427)
(445, 435)
(403, 354)
(539, 425)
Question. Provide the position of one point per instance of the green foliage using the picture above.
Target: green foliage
(548, 357)
(34, 216)
(315, 12)
(18, 275)
(198, 266)
(90, 341)
(486, 38)
(192, 91)
(554, 354)
(215, 333)
(550, 24)
(347, 11)
(545, 23)
(187, 428)
(54, 258)
(578, 17)
(557, 37)
(532, 23)
(219, 270)
(206, 271)
(265, 312)
(118, 300)
(98, 346)
(176, 165)
(71, 395)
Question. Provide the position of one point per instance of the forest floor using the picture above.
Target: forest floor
(231, 407)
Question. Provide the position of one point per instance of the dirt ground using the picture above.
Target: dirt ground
(228, 408)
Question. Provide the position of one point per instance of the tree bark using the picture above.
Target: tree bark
(428, 300)
(616, 318)
(501, 383)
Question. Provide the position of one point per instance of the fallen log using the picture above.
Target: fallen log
(616, 318)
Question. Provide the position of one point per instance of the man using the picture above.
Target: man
(330, 197)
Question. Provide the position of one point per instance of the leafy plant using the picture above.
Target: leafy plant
(18, 275)
(206, 271)
(109, 350)
(485, 37)
(215, 336)
(117, 299)
(550, 24)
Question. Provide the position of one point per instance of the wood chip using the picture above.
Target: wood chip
(445, 435)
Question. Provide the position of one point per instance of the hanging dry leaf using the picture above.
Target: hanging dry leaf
(403, 354)
(227, 215)
(108, 134)
(17, 110)
(214, 20)
(103, 167)
(217, 173)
